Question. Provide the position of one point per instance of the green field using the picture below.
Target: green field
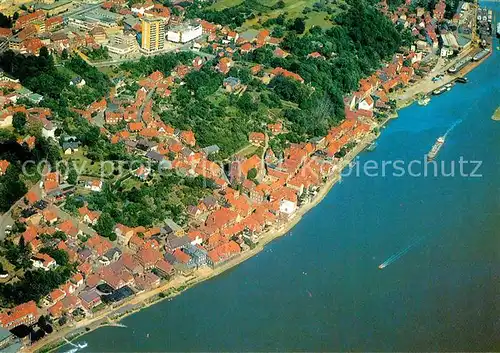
(293, 9)
(222, 4)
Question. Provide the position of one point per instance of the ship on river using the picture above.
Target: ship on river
(498, 29)
(435, 149)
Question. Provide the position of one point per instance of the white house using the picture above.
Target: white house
(78, 82)
(94, 185)
(43, 261)
(141, 8)
(288, 207)
(5, 120)
(49, 130)
(366, 104)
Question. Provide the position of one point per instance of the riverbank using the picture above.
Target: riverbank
(180, 284)
(426, 86)
(319, 289)
(496, 115)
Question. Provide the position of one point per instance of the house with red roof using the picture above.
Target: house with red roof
(222, 218)
(315, 55)
(57, 295)
(135, 126)
(49, 216)
(148, 257)
(279, 71)
(77, 279)
(69, 228)
(224, 65)
(98, 106)
(4, 164)
(280, 53)
(188, 138)
(26, 313)
(223, 253)
(43, 261)
(257, 138)
(246, 48)
(56, 310)
(164, 268)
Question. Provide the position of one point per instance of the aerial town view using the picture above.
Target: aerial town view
(153, 152)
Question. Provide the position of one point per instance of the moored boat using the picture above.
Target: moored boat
(371, 147)
(424, 101)
(460, 65)
(481, 54)
(439, 91)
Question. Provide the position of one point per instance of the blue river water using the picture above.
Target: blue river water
(320, 289)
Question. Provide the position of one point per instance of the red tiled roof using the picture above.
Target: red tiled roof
(26, 312)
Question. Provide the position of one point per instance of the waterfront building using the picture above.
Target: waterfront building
(26, 313)
(153, 35)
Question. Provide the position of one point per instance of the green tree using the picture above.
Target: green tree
(19, 122)
(105, 225)
(44, 52)
(299, 25)
(64, 54)
(72, 176)
(60, 256)
(252, 174)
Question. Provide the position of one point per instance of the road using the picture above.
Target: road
(148, 98)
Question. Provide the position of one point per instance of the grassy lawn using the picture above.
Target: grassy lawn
(317, 19)
(7, 266)
(222, 4)
(81, 161)
(247, 151)
(131, 183)
(293, 9)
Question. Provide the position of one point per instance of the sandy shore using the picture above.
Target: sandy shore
(181, 283)
(496, 115)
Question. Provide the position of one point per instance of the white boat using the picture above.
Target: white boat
(424, 101)
(435, 149)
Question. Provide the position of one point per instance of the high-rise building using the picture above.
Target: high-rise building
(153, 34)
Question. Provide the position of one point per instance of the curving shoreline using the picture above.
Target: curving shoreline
(180, 284)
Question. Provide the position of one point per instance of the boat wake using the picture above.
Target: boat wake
(452, 127)
(76, 346)
(398, 255)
